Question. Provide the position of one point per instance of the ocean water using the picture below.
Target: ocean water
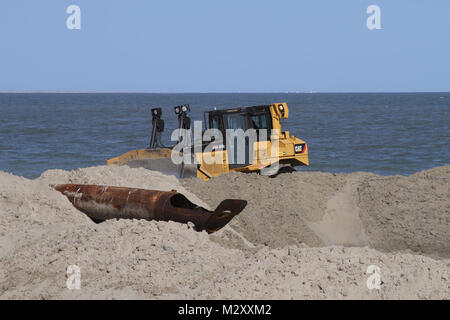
(384, 133)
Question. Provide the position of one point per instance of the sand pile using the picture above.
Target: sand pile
(359, 209)
(302, 235)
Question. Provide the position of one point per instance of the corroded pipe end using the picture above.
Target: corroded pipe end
(223, 214)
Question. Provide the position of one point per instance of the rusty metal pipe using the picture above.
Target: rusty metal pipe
(105, 202)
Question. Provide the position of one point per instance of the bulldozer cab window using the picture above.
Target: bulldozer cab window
(236, 121)
(259, 122)
(215, 123)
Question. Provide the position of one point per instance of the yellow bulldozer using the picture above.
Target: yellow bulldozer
(244, 139)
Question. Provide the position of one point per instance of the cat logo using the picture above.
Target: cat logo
(298, 148)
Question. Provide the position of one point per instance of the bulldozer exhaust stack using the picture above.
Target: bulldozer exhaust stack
(106, 202)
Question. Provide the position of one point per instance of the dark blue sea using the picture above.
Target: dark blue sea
(384, 133)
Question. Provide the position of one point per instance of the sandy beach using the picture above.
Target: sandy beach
(305, 235)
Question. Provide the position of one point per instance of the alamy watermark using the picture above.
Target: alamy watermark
(373, 22)
(73, 273)
(251, 146)
(374, 280)
(73, 22)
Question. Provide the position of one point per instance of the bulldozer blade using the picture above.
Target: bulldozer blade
(165, 166)
(107, 202)
(159, 159)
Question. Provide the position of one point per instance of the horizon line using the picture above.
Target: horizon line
(204, 92)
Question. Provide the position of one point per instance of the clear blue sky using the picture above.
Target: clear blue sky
(225, 46)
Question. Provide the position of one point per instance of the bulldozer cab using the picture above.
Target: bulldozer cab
(240, 118)
(257, 118)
